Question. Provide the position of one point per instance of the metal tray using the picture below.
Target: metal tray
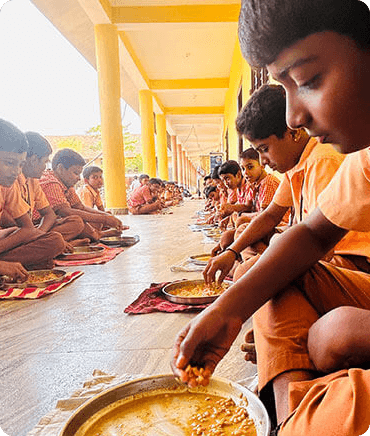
(187, 300)
(83, 252)
(120, 241)
(110, 400)
(42, 284)
(198, 259)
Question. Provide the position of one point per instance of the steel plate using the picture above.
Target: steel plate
(83, 252)
(198, 259)
(42, 284)
(188, 300)
(104, 405)
(120, 241)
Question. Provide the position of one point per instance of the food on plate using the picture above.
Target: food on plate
(40, 277)
(174, 413)
(37, 277)
(221, 416)
(197, 376)
(199, 290)
(204, 258)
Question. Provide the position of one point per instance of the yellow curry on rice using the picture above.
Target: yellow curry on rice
(200, 290)
(173, 414)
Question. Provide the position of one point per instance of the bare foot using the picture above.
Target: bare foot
(249, 347)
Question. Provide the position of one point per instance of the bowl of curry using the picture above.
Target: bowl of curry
(162, 406)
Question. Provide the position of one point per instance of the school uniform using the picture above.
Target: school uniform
(34, 196)
(90, 197)
(56, 192)
(138, 198)
(39, 251)
(339, 403)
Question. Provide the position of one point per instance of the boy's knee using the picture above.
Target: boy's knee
(330, 339)
(78, 223)
(56, 242)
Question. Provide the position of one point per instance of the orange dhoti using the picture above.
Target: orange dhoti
(281, 330)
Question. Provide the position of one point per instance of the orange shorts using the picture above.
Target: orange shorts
(335, 405)
(281, 326)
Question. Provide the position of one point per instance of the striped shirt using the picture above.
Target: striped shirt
(56, 191)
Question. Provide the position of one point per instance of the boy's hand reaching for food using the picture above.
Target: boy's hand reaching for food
(223, 262)
(14, 270)
(203, 343)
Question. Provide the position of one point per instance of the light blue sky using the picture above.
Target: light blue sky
(45, 84)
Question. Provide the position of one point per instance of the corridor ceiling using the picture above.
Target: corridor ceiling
(180, 49)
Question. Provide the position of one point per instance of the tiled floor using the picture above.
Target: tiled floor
(48, 347)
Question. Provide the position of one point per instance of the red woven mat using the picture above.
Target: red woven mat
(109, 254)
(153, 300)
(32, 293)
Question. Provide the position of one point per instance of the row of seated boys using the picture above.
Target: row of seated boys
(308, 167)
(237, 193)
(41, 214)
(152, 195)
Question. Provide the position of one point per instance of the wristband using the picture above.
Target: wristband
(237, 255)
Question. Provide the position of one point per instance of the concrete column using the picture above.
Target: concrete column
(179, 163)
(175, 173)
(183, 168)
(162, 146)
(187, 172)
(147, 132)
(107, 59)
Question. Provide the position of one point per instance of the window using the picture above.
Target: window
(260, 76)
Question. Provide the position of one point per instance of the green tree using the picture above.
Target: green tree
(134, 163)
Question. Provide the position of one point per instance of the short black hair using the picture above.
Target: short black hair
(143, 176)
(214, 174)
(264, 114)
(250, 153)
(229, 167)
(208, 190)
(87, 171)
(155, 181)
(67, 157)
(11, 138)
(37, 145)
(267, 27)
(206, 177)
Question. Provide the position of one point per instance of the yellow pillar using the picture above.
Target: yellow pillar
(187, 172)
(175, 174)
(107, 57)
(189, 175)
(162, 146)
(147, 132)
(179, 163)
(183, 168)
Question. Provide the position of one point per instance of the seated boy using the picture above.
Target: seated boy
(256, 194)
(58, 184)
(261, 186)
(306, 326)
(90, 191)
(145, 199)
(38, 153)
(33, 248)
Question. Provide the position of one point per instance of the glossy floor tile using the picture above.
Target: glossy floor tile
(49, 347)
